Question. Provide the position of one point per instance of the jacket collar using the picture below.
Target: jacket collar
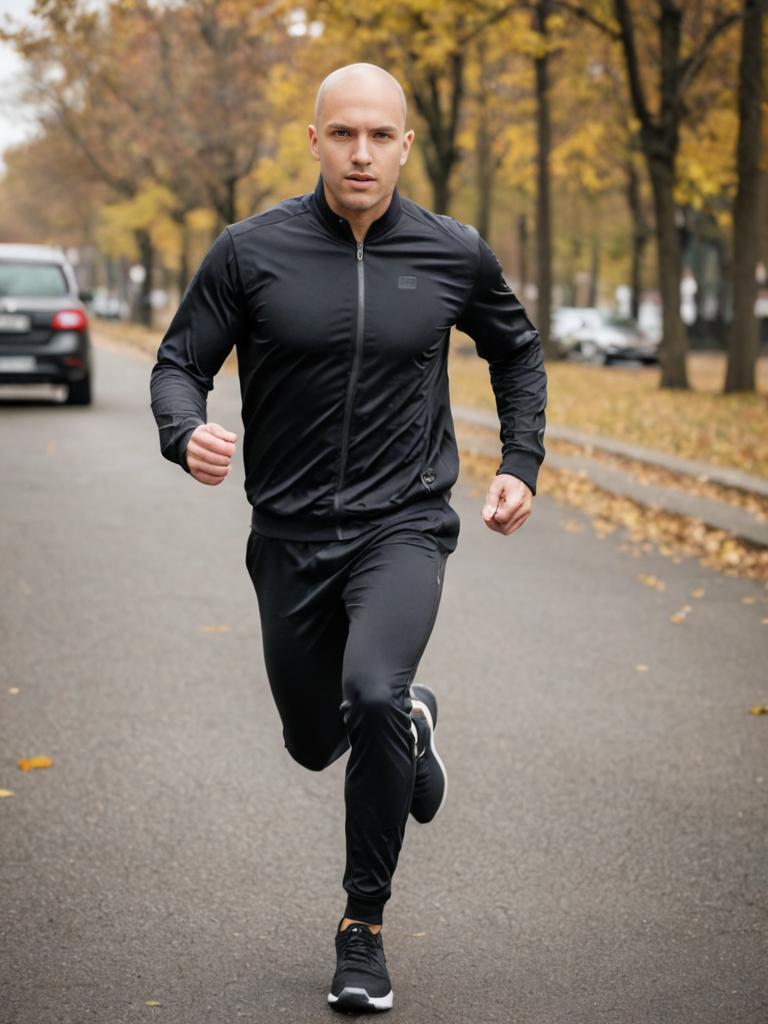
(340, 227)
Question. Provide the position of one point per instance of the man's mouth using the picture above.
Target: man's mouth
(360, 177)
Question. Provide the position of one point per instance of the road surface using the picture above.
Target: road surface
(602, 856)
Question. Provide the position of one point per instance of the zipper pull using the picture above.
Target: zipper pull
(359, 250)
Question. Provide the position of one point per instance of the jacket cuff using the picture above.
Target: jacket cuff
(524, 467)
(181, 447)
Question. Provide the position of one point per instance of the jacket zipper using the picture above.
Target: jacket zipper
(354, 375)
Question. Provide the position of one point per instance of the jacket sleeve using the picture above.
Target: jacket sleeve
(201, 335)
(497, 323)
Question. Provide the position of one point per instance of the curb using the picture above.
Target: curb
(716, 514)
(687, 467)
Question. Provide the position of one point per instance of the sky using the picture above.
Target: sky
(14, 125)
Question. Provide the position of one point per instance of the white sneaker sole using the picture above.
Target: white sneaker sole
(433, 749)
(358, 999)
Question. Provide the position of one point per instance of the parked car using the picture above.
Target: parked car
(44, 335)
(593, 336)
(567, 321)
(108, 306)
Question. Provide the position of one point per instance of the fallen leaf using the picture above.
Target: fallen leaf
(677, 617)
(215, 629)
(51, 448)
(652, 581)
(14, 690)
(641, 668)
(419, 935)
(28, 763)
(759, 709)
(6, 792)
(698, 592)
(572, 526)
(749, 600)
(152, 1002)
(764, 622)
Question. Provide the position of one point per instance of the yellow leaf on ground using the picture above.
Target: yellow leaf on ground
(215, 629)
(652, 581)
(641, 668)
(27, 764)
(760, 709)
(6, 792)
(677, 617)
(572, 526)
(749, 600)
(698, 592)
(14, 690)
(152, 1002)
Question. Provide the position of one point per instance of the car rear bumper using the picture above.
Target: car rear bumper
(63, 360)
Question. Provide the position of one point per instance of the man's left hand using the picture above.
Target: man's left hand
(507, 505)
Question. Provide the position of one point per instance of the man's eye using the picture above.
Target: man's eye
(341, 131)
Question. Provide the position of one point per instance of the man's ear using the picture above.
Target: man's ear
(312, 133)
(407, 142)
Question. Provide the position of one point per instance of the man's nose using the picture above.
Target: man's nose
(361, 154)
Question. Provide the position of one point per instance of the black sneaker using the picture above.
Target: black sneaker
(431, 778)
(361, 981)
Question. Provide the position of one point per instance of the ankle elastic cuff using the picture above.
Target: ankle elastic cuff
(363, 910)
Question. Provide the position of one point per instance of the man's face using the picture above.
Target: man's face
(361, 143)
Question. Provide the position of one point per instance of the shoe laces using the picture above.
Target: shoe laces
(359, 946)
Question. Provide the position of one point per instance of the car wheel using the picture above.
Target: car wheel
(592, 353)
(79, 392)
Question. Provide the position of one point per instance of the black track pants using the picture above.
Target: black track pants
(344, 625)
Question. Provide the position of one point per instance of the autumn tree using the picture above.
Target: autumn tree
(665, 47)
(743, 341)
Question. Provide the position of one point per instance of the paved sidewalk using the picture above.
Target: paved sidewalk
(718, 514)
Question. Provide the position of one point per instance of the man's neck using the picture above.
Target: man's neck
(359, 221)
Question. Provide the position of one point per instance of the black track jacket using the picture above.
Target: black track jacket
(342, 351)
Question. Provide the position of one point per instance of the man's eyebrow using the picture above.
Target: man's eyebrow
(333, 126)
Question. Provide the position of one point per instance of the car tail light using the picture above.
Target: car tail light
(69, 320)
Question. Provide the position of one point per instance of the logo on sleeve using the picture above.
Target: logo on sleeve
(406, 282)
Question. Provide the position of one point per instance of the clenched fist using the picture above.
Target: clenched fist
(507, 504)
(209, 453)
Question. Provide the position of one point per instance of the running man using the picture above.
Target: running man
(340, 305)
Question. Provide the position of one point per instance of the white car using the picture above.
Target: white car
(593, 336)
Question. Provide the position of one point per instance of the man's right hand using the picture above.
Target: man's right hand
(209, 453)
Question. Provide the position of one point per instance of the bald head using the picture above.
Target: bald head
(353, 77)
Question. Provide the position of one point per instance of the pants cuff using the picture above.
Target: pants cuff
(364, 910)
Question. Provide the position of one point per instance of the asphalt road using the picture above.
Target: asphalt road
(602, 855)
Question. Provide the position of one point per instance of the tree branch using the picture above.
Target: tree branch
(627, 39)
(585, 15)
(693, 64)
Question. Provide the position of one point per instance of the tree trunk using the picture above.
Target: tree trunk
(143, 307)
(660, 136)
(484, 176)
(183, 276)
(640, 234)
(743, 341)
(543, 204)
(484, 157)
(522, 254)
(674, 344)
(440, 150)
(441, 190)
(594, 272)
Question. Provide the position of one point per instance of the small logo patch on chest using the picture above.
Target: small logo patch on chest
(406, 282)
